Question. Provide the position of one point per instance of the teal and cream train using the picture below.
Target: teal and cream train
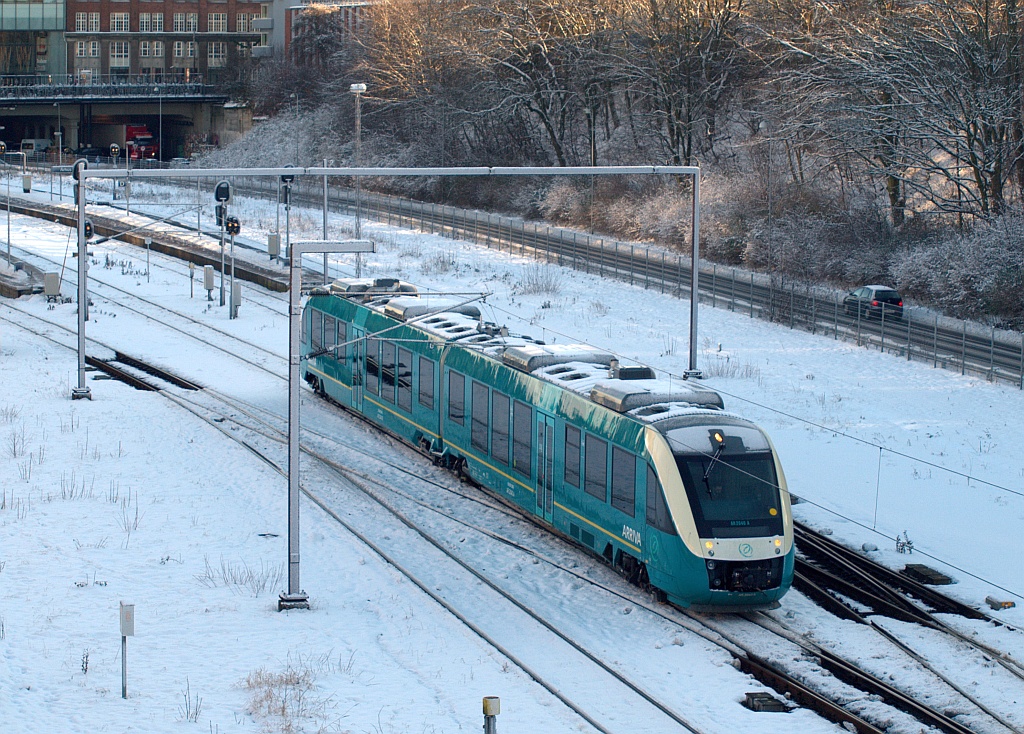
(649, 473)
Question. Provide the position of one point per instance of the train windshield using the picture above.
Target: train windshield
(733, 495)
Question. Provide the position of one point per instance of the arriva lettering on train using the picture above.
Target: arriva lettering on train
(631, 535)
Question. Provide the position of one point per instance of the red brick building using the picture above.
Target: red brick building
(158, 39)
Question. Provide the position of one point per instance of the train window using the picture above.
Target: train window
(317, 332)
(329, 327)
(522, 438)
(572, 456)
(342, 352)
(387, 371)
(479, 419)
(426, 383)
(372, 366)
(457, 397)
(658, 516)
(500, 408)
(404, 368)
(623, 481)
(596, 480)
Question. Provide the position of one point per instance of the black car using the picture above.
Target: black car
(91, 153)
(874, 301)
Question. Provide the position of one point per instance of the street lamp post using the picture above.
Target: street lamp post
(358, 90)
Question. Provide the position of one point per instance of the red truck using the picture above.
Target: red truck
(141, 143)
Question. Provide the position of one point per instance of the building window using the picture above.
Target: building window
(217, 53)
(120, 22)
(119, 54)
(94, 23)
(143, 48)
(179, 22)
(183, 49)
(82, 22)
(157, 20)
(94, 49)
(241, 22)
(192, 22)
(81, 49)
(217, 22)
(158, 49)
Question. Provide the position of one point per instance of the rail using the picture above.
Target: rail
(951, 344)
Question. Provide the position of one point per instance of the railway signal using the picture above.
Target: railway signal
(232, 225)
(222, 192)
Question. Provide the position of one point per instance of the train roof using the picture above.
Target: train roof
(595, 374)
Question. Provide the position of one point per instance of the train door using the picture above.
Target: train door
(545, 465)
(358, 356)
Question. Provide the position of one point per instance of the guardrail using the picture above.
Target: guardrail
(923, 336)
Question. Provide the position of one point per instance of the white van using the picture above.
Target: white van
(34, 145)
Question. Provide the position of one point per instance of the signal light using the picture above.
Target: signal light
(233, 226)
(222, 192)
(88, 229)
(221, 211)
(3, 147)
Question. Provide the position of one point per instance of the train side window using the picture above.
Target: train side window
(329, 327)
(479, 418)
(404, 372)
(457, 398)
(623, 481)
(658, 516)
(572, 456)
(342, 352)
(316, 337)
(501, 406)
(372, 366)
(387, 371)
(522, 438)
(595, 483)
(426, 383)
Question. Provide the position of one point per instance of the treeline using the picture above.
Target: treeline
(842, 141)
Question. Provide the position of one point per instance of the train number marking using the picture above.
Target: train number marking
(631, 535)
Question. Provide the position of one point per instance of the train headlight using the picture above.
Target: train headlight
(708, 544)
(778, 542)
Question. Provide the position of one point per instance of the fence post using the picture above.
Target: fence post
(935, 343)
(814, 313)
(992, 354)
(963, 350)
(751, 294)
(732, 291)
(909, 342)
(632, 251)
(714, 278)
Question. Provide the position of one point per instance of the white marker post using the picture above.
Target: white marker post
(127, 630)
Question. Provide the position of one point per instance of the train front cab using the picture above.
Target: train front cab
(726, 492)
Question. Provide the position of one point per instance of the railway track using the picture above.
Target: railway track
(944, 343)
(753, 660)
(747, 659)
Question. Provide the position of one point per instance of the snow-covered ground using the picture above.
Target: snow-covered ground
(128, 498)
